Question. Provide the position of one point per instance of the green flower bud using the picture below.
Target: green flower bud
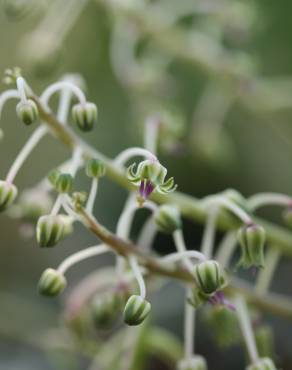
(85, 115)
(194, 363)
(8, 193)
(252, 240)
(64, 183)
(167, 219)
(50, 230)
(51, 283)
(264, 363)
(27, 112)
(136, 310)
(53, 176)
(208, 277)
(95, 168)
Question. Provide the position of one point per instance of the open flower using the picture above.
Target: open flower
(150, 176)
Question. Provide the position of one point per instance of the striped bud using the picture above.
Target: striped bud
(8, 193)
(167, 219)
(208, 277)
(263, 364)
(27, 111)
(64, 183)
(50, 230)
(51, 283)
(194, 363)
(252, 240)
(95, 168)
(136, 310)
(85, 115)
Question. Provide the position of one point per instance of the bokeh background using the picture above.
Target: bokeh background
(254, 155)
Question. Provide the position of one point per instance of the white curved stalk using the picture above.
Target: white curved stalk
(267, 199)
(181, 248)
(178, 256)
(147, 235)
(58, 86)
(127, 154)
(38, 134)
(92, 195)
(189, 326)
(138, 275)
(82, 255)
(266, 274)
(222, 201)
(20, 83)
(6, 95)
(209, 232)
(151, 129)
(226, 249)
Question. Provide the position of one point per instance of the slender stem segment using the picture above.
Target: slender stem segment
(138, 275)
(92, 195)
(82, 255)
(268, 199)
(181, 248)
(38, 134)
(6, 95)
(246, 328)
(189, 326)
(209, 233)
(20, 83)
(174, 257)
(127, 154)
(226, 249)
(266, 274)
(151, 133)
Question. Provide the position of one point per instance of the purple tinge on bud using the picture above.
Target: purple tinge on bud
(146, 188)
(219, 299)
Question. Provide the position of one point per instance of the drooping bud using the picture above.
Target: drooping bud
(85, 115)
(136, 310)
(167, 219)
(95, 168)
(51, 283)
(50, 230)
(27, 112)
(64, 183)
(8, 193)
(194, 363)
(264, 363)
(252, 240)
(209, 277)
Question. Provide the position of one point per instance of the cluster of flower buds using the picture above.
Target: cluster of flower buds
(95, 168)
(136, 310)
(51, 283)
(27, 112)
(85, 115)
(194, 363)
(210, 281)
(167, 219)
(252, 241)
(51, 229)
(263, 364)
(8, 193)
(150, 176)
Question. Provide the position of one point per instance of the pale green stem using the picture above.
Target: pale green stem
(266, 274)
(6, 95)
(246, 328)
(82, 255)
(181, 248)
(177, 256)
(127, 154)
(92, 195)
(266, 199)
(147, 235)
(189, 326)
(226, 248)
(138, 275)
(151, 129)
(209, 233)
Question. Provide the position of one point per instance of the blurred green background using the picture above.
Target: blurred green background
(259, 160)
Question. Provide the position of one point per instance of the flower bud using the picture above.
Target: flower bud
(50, 230)
(53, 176)
(208, 277)
(252, 240)
(95, 168)
(51, 283)
(64, 183)
(167, 219)
(264, 363)
(85, 115)
(8, 193)
(27, 112)
(136, 310)
(194, 363)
